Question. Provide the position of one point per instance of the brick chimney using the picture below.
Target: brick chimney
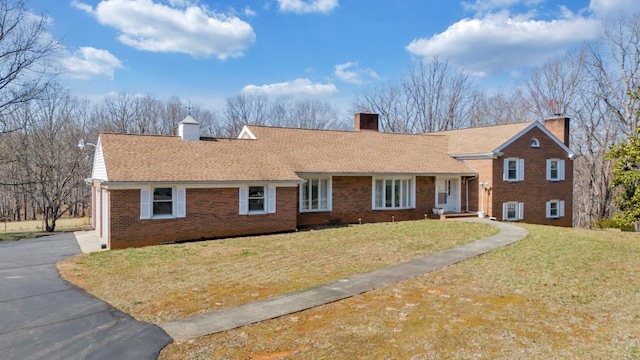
(189, 129)
(558, 125)
(366, 121)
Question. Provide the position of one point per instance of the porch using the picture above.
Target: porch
(452, 215)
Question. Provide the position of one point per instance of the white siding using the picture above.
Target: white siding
(99, 170)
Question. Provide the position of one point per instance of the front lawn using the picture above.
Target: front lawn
(160, 283)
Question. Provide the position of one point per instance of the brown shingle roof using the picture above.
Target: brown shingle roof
(134, 158)
(278, 154)
(365, 152)
(481, 139)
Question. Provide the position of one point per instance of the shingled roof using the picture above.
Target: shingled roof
(277, 154)
(481, 139)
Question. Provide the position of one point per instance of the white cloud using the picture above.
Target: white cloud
(500, 42)
(298, 87)
(607, 8)
(185, 28)
(307, 6)
(249, 12)
(350, 73)
(90, 63)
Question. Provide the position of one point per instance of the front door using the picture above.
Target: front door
(448, 194)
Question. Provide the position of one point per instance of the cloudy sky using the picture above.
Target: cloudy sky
(207, 50)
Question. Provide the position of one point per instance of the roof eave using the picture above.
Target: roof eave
(477, 156)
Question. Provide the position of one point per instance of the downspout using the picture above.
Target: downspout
(467, 192)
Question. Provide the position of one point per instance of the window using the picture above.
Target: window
(555, 209)
(512, 211)
(163, 202)
(257, 199)
(393, 193)
(315, 195)
(555, 169)
(513, 169)
(535, 143)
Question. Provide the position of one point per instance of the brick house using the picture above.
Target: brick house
(150, 190)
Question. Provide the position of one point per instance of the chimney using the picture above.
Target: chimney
(189, 129)
(558, 125)
(366, 121)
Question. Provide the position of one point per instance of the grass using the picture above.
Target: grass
(18, 230)
(559, 293)
(161, 283)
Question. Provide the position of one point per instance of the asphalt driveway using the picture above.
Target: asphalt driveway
(45, 317)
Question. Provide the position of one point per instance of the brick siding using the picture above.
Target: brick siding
(352, 203)
(535, 190)
(211, 213)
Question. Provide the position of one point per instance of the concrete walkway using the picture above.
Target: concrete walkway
(230, 318)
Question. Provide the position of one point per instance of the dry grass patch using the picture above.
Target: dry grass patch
(560, 293)
(161, 283)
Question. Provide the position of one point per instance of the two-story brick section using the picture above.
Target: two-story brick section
(158, 189)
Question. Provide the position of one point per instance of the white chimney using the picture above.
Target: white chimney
(189, 129)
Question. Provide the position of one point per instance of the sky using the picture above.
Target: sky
(205, 51)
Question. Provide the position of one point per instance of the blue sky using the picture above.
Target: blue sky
(205, 51)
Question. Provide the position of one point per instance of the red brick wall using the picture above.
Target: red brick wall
(535, 190)
(352, 202)
(211, 213)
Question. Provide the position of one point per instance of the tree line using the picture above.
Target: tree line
(42, 170)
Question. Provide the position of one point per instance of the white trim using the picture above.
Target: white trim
(560, 168)
(458, 198)
(194, 185)
(99, 169)
(519, 169)
(477, 156)
(560, 209)
(270, 191)
(247, 134)
(410, 202)
(519, 208)
(329, 194)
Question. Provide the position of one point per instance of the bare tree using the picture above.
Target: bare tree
(48, 163)
(434, 97)
(26, 53)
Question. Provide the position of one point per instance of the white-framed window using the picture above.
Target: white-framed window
(513, 211)
(257, 199)
(393, 193)
(315, 194)
(535, 143)
(163, 202)
(513, 169)
(555, 209)
(555, 169)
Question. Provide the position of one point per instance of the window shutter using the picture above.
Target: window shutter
(561, 208)
(548, 170)
(560, 169)
(505, 171)
(505, 207)
(520, 211)
(548, 208)
(244, 200)
(271, 207)
(181, 200)
(520, 169)
(145, 203)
